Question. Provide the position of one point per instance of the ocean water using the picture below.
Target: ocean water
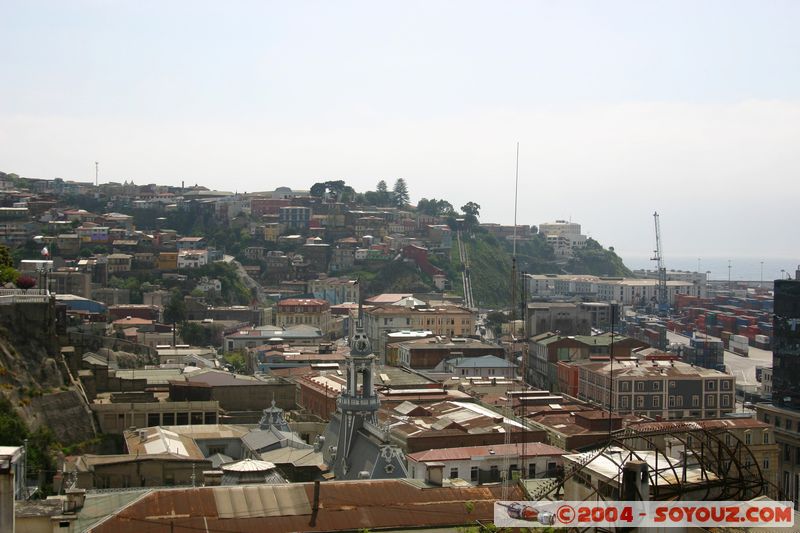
(742, 268)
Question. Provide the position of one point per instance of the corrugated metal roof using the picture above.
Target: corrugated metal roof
(467, 452)
(344, 506)
(255, 501)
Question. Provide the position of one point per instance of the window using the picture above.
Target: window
(788, 424)
(656, 401)
(748, 438)
(679, 401)
(672, 401)
(710, 400)
(473, 473)
(726, 385)
(624, 402)
(183, 419)
(453, 473)
(728, 439)
(640, 386)
(640, 401)
(656, 385)
(765, 438)
(494, 475)
(710, 385)
(532, 470)
(695, 401)
(625, 386)
(726, 400)
(672, 384)
(168, 419)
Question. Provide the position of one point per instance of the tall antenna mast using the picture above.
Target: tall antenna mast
(96, 172)
(514, 248)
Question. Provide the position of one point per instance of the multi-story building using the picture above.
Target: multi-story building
(70, 281)
(167, 261)
(15, 226)
(427, 353)
(294, 217)
(483, 464)
(548, 349)
(563, 236)
(119, 263)
(448, 320)
(93, 234)
(758, 437)
(487, 366)
(192, 258)
(568, 318)
(307, 311)
(626, 291)
(190, 243)
(659, 388)
(784, 412)
(335, 290)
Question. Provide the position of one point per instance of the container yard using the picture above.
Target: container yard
(741, 322)
(705, 351)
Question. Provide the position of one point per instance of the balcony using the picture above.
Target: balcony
(358, 404)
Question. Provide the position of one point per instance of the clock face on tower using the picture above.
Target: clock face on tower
(360, 345)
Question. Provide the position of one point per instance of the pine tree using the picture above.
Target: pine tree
(400, 193)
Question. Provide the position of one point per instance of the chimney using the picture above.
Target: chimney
(75, 500)
(315, 506)
(635, 482)
(212, 478)
(434, 473)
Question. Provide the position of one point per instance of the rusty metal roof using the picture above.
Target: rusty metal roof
(344, 505)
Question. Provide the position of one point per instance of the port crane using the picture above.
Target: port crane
(662, 298)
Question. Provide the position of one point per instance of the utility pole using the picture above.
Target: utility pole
(730, 287)
(514, 249)
(96, 173)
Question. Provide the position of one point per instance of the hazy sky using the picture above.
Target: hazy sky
(621, 108)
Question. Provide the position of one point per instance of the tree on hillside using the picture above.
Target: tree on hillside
(382, 191)
(435, 208)
(471, 212)
(336, 190)
(175, 310)
(400, 190)
(7, 270)
(471, 208)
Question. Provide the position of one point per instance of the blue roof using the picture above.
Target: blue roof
(484, 361)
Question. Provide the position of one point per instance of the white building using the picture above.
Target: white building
(483, 464)
(192, 258)
(563, 236)
(626, 291)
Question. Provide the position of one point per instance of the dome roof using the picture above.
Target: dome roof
(248, 465)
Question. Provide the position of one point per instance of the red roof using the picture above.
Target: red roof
(530, 449)
(302, 302)
(343, 506)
